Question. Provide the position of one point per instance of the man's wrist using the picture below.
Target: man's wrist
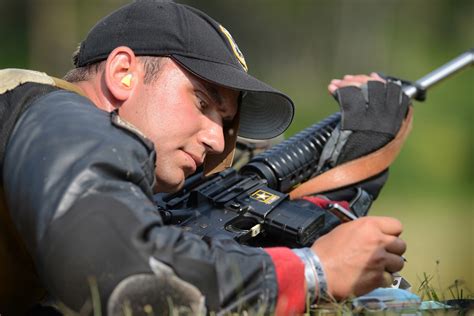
(289, 270)
(316, 283)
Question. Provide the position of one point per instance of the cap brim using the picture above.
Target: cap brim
(265, 112)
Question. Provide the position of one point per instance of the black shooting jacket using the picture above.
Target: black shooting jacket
(78, 188)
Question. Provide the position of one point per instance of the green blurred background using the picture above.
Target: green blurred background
(299, 46)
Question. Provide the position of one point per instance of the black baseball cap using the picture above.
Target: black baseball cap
(199, 44)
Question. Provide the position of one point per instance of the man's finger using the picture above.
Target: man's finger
(395, 245)
(387, 279)
(332, 88)
(352, 80)
(376, 76)
(390, 225)
(394, 263)
(361, 79)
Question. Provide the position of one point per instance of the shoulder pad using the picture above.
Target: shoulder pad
(12, 78)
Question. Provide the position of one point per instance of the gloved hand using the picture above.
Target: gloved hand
(372, 113)
(374, 106)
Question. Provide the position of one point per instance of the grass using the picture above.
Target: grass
(428, 290)
(439, 237)
(457, 290)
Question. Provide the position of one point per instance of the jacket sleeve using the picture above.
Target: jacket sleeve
(79, 188)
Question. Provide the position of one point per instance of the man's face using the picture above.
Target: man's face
(184, 117)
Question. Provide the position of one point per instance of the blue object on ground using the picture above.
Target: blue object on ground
(430, 305)
(387, 298)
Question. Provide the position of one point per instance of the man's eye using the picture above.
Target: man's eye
(202, 104)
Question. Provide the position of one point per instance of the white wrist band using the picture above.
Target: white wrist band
(314, 274)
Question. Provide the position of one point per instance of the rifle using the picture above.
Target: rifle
(252, 205)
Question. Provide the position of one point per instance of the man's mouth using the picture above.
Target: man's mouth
(198, 160)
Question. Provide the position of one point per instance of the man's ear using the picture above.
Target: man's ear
(121, 74)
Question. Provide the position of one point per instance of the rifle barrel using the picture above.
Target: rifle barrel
(437, 75)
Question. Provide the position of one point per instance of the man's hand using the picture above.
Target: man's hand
(372, 111)
(370, 104)
(352, 80)
(357, 255)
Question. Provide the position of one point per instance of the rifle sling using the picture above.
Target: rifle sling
(358, 169)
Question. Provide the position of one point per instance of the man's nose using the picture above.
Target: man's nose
(212, 136)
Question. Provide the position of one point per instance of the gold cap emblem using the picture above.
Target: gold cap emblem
(235, 48)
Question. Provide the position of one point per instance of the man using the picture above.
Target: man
(164, 88)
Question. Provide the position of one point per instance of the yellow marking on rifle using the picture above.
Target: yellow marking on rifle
(264, 196)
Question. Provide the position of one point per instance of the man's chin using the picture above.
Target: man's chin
(168, 186)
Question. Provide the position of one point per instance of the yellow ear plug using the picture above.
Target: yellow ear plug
(127, 80)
